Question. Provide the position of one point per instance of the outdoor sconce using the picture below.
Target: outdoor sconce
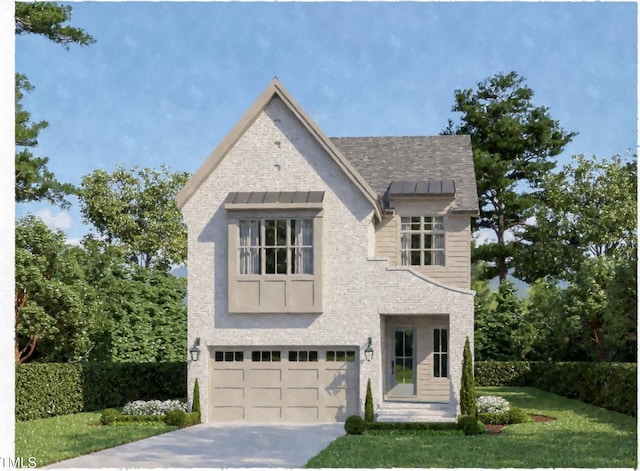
(368, 352)
(195, 350)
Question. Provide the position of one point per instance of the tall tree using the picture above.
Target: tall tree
(33, 179)
(513, 144)
(48, 19)
(134, 212)
(57, 312)
(588, 209)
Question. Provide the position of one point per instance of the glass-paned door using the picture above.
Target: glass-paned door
(403, 377)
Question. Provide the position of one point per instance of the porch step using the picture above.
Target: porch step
(415, 412)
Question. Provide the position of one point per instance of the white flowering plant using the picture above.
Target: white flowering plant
(153, 407)
(492, 405)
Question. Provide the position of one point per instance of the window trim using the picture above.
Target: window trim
(291, 247)
(405, 253)
(273, 293)
(439, 353)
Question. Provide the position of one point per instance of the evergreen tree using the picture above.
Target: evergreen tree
(195, 405)
(368, 404)
(468, 386)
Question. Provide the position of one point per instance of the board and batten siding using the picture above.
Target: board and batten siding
(457, 269)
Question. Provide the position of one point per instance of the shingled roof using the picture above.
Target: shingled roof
(381, 160)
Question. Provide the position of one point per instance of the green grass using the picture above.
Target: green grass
(67, 436)
(581, 436)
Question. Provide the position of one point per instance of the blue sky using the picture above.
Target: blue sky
(165, 82)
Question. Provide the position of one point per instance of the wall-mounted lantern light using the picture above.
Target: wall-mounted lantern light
(195, 350)
(368, 352)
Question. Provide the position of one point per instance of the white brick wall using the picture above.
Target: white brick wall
(281, 156)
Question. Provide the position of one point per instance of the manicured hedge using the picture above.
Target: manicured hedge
(50, 389)
(609, 385)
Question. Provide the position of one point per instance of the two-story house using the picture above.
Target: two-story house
(316, 264)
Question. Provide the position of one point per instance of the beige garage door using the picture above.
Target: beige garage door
(283, 384)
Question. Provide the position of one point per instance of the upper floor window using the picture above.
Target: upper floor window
(282, 246)
(422, 240)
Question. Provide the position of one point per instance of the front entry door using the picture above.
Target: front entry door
(403, 370)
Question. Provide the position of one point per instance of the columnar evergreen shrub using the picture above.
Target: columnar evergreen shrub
(368, 404)
(468, 387)
(470, 425)
(195, 405)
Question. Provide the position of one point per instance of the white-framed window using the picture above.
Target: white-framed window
(422, 240)
(276, 246)
(440, 353)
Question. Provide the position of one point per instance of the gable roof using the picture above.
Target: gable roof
(275, 89)
(381, 160)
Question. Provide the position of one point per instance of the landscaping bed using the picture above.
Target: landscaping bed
(581, 436)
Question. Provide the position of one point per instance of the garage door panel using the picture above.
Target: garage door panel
(229, 377)
(265, 377)
(264, 414)
(302, 413)
(228, 396)
(300, 386)
(228, 414)
(306, 377)
(302, 396)
(264, 396)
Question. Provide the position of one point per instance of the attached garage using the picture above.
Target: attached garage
(286, 384)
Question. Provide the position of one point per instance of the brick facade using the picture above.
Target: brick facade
(277, 153)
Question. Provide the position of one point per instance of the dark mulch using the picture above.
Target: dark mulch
(496, 429)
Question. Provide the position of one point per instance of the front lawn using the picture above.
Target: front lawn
(581, 436)
(67, 436)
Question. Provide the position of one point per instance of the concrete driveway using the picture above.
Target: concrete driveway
(217, 446)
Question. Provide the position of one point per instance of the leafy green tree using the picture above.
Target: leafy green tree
(147, 315)
(496, 334)
(33, 179)
(513, 144)
(134, 212)
(588, 209)
(544, 315)
(621, 317)
(468, 383)
(57, 313)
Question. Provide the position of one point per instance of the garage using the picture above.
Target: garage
(287, 384)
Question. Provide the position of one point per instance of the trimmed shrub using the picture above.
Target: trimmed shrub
(176, 417)
(50, 389)
(502, 373)
(193, 418)
(494, 418)
(354, 425)
(411, 426)
(109, 416)
(470, 425)
(368, 404)
(518, 416)
(468, 385)
(195, 404)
